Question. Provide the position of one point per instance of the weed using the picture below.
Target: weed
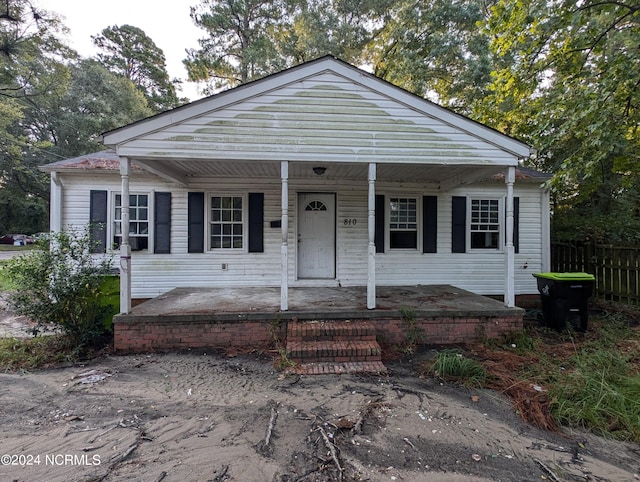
(453, 365)
(519, 342)
(599, 394)
(282, 360)
(38, 352)
(413, 332)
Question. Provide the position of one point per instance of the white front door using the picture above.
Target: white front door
(316, 235)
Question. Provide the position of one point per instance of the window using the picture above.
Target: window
(226, 225)
(403, 223)
(138, 221)
(485, 224)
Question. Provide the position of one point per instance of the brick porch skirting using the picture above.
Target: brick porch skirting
(150, 334)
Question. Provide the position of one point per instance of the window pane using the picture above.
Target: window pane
(485, 223)
(237, 242)
(215, 242)
(403, 239)
(403, 226)
(215, 202)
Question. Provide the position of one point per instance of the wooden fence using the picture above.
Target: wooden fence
(616, 268)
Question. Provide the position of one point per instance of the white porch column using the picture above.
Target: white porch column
(509, 252)
(125, 247)
(371, 250)
(284, 250)
(55, 210)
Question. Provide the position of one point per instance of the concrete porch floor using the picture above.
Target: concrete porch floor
(188, 318)
(307, 303)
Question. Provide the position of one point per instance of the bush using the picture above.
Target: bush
(58, 287)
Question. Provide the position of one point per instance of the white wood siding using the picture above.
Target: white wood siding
(324, 118)
(478, 271)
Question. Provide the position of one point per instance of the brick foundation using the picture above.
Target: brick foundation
(159, 335)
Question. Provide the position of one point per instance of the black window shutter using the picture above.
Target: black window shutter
(162, 223)
(195, 221)
(430, 224)
(516, 224)
(256, 222)
(379, 232)
(458, 224)
(98, 221)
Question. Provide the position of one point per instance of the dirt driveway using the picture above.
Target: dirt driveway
(196, 416)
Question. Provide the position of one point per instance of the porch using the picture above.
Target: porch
(201, 318)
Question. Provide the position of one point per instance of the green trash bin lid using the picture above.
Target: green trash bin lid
(566, 276)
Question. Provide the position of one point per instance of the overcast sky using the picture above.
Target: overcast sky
(166, 22)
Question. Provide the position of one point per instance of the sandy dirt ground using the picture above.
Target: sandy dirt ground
(213, 417)
(210, 417)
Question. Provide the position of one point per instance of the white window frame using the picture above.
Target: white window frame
(113, 221)
(387, 226)
(245, 222)
(500, 223)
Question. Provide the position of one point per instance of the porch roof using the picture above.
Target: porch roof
(108, 161)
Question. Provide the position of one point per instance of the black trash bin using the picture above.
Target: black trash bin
(565, 298)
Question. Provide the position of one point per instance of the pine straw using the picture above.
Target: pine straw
(534, 406)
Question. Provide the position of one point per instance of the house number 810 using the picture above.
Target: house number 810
(350, 222)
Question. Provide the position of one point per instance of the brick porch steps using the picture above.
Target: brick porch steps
(333, 368)
(333, 347)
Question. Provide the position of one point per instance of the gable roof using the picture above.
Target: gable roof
(360, 94)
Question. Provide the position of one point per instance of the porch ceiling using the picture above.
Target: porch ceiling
(443, 177)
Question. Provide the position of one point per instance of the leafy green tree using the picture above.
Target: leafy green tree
(239, 45)
(343, 28)
(435, 48)
(568, 82)
(95, 101)
(31, 68)
(58, 287)
(128, 51)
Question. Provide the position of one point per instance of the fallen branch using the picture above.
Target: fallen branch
(222, 475)
(103, 433)
(332, 451)
(549, 472)
(161, 477)
(128, 452)
(408, 442)
(368, 408)
(272, 423)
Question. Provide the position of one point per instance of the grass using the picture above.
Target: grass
(583, 380)
(453, 365)
(5, 283)
(31, 353)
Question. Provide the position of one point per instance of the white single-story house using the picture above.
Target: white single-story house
(320, 175)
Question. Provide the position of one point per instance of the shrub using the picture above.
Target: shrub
(58, 286)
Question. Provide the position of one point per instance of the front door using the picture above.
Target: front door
(316, 235)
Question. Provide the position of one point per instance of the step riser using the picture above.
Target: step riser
(331, 338)
(334, 346)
